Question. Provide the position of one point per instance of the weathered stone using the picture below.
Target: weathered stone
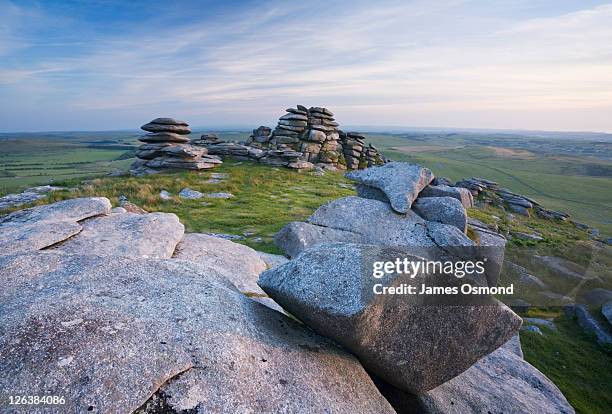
(121, 335)
(240, 264)
(446, 210)
(75, 209)
(590, 324)
(176, 129)
(296, 237)
(169, 121)
(399, 338)
(272, 260)
(401, 182)
(27, 196)
(548, 323)
(294, 117)
(461, 194)
(378, 224)
(163, 137)
(501, 382)
(219, 195)
(189, 194)
(318, 136)
(153, 235)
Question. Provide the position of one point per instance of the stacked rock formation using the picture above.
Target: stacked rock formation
(304, 138)
(166, 147)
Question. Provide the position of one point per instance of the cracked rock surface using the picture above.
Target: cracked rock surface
(411, 344)
(113, 335)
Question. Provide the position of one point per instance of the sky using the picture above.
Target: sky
(110, 65)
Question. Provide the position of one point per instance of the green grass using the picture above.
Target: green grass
(573, 360)
(265, 198)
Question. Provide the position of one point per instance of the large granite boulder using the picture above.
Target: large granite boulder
(446, 210)
(152, 235)
(501, 382)
(414, 342)
(43, 226)
(401, 182)
(160, 335)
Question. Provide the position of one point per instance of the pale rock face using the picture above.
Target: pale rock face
(124, 334)
(396, 337)
(401, 182)
(240, 264)
(43, 226)
(152, 235)
(445, 210)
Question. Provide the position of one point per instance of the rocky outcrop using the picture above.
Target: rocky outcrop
(133, 334)
(396, 337)
(501, 382)
(492, 193)
(304, 138)
(43, 226)
(166, 147)
(29, 195)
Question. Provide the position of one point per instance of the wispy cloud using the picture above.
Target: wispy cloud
(448, 63)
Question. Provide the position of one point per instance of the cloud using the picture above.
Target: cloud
(394, 61)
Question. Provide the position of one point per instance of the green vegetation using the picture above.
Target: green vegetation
(573, 360)
(265, 198)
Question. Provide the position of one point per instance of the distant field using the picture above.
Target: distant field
(568, 175)
(579, 184)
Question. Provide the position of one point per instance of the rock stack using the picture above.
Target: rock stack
(314, 133)
(357, 154)
(166, 147)
(303, 138)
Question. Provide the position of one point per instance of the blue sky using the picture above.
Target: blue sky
(104, 65)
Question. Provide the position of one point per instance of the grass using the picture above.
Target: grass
(573, 360)
(265, 198)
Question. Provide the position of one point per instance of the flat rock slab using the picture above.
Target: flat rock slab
(606, 311)
(123, 334)
(401, 182)
(446, 210)
(152, 235)
(43, 226)
(409, 343)
(240, 264)
(75, 209)
(501, 382)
